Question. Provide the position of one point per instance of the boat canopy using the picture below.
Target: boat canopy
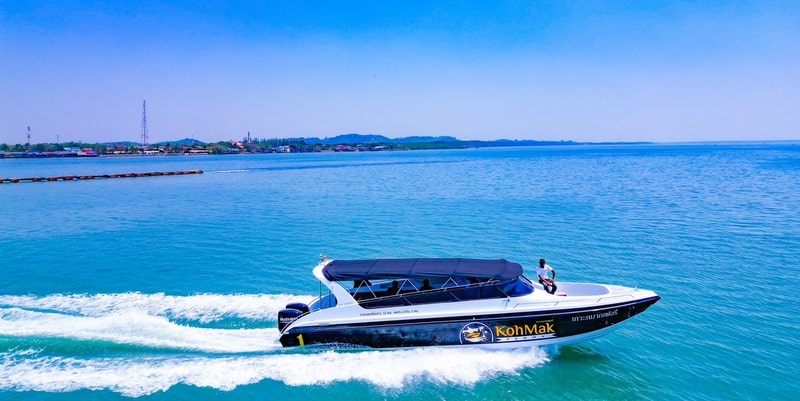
(381, 269)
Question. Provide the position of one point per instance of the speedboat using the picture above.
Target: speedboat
(388, 303)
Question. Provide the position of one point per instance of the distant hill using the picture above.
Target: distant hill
(414, 142)
(349, 139)
(354, 138)
(120, 144)
(182, 142)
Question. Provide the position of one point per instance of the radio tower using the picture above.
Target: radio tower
(144, 124)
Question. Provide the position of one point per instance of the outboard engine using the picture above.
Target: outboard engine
(287, 316)
(290, 314)
(299, 306)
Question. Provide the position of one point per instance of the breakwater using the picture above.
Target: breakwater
(99, 176)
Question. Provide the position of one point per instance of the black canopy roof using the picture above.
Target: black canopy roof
(377, 269)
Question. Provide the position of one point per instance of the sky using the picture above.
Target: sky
(589, 71)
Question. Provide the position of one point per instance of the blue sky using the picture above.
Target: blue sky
(667, 71)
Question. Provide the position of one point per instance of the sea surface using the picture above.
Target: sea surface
(167, 288)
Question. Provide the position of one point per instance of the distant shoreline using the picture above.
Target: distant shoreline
(237, 148)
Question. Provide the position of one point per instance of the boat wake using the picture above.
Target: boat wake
(141, 376)
(134, 328)
(206, 323)
(201, 308)
(137, 344)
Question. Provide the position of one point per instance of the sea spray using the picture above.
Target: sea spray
(133, 377)
(202, 308)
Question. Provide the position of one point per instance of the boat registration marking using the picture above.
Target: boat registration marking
(390, 313)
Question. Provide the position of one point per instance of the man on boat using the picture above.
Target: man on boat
(548, 283)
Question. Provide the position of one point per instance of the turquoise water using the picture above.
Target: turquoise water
(168, 288)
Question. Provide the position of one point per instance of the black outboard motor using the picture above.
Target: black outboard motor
(290, 314)
(299, 306)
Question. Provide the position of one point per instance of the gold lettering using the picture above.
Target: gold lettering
(528, 329)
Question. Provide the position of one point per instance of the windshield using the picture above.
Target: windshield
(386, 293)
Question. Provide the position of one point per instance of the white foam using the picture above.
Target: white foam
(145, 319)
(204, 308)
(218, 358)
(135, 328)
(142, 376)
